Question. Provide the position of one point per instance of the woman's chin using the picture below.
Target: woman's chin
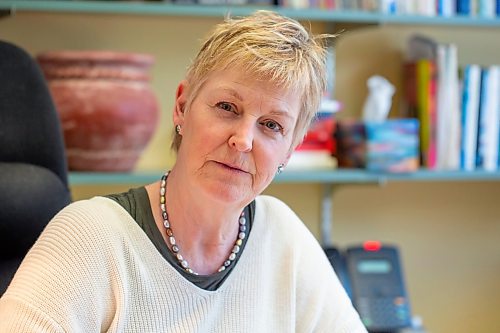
(228, 192)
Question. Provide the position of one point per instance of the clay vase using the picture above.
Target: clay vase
(106, 106)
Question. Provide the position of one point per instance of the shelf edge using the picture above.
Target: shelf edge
(311, 14)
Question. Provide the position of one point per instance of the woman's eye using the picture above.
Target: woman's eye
(273, 126)
(225, 106)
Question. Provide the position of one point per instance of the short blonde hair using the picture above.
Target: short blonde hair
(271, 47)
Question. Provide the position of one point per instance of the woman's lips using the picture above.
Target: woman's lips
(232, 167)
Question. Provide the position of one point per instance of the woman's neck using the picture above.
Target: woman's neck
(205, 231)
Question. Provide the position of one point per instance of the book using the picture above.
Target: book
(469, 121)
(486, 8)
(311, 160)
(420, 93)
(317, 148)
(488, 124)
(446, 8)
(464, 7)
(447, 109)
(426, 102)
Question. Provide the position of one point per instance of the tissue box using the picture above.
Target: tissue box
(389, 146)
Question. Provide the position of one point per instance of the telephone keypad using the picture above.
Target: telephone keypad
(384, 311)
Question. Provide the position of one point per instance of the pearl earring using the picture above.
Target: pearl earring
(178, 129)
(281, 167)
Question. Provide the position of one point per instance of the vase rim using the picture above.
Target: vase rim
(96, 56)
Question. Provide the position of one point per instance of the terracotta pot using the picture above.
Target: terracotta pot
(107, 108)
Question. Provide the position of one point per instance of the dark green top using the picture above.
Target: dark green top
(136, 203)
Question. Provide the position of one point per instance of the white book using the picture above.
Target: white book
(426, 7)
(311, 160)
(442, 109)
(470, 111)
(406, 7)
(448, 109)
(388, 6)
(453, 155)
(487, 8)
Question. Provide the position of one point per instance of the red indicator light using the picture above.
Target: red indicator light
(372, 246)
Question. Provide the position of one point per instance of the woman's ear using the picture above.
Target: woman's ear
(181, 96)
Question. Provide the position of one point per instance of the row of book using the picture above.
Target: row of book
(458, 108)
(446, 8)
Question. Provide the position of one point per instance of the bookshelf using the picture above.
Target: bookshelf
(169, 9)
(332, 177)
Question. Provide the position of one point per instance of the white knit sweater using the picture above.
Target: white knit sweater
(94, 270)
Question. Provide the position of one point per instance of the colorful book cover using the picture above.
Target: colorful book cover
(421, 103)
(426, 111)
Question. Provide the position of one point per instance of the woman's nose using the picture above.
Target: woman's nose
(242, 138)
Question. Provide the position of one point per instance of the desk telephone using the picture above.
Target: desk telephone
(372, 277)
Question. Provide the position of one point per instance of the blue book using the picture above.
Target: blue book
(446, 8)
(482, 115)
(470, 113)
(463, 7)
(489, 119)
(498, 152)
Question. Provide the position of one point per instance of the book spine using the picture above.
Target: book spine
(447, 109)
(482, 117)
(443, 106)
(426, 102)
(432, 110)
(453, 156)
(388, 6)
(488, 127)
(470, 109)
(493, 136)
(464, 7)
(487, 8)
(422, 88)
(446, 8)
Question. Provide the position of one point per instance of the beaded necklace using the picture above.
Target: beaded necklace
(174, 247)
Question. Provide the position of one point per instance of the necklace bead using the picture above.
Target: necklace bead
(174, 247)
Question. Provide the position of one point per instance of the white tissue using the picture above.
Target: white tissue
(379, 100)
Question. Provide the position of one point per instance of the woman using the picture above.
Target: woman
(200, 250)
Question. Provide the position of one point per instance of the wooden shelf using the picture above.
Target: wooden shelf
(340, 176)
(169, 9)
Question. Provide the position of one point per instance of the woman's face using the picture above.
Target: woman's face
(235, 134)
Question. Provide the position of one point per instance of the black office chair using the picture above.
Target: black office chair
(33, 170)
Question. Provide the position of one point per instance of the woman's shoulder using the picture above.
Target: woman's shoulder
(278, 216)
(92, 216)
(91, 208)
(274, 209)
(269, 204)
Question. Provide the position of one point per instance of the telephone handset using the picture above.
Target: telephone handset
(372, 276)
